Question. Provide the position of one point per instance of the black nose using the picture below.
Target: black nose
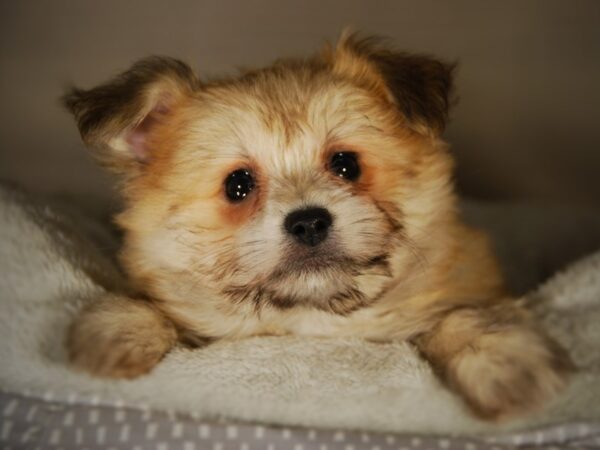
(309, 226)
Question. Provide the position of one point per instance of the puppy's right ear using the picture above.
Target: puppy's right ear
(116, 118)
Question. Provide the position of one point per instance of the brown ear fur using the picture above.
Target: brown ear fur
(133, 100)
(420, 86)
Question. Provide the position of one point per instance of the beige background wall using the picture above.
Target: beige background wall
(527, 125)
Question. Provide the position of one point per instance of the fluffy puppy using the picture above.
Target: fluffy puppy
(311, 197)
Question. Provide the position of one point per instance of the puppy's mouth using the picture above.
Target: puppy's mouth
(323, 277)
(314, 260)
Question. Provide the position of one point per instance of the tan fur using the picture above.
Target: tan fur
(120, 337)
(400, 264)
(496, 359)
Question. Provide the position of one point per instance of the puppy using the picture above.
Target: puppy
(311, 197)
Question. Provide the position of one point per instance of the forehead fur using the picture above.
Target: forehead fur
(296, 97)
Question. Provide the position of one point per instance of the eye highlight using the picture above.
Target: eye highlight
(238, 185)
(345, 165)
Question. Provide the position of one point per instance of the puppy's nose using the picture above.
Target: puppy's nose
(309, 226)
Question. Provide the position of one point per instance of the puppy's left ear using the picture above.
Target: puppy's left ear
(419, 86)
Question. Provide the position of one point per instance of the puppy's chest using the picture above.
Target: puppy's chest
(239, 321)
(218, 320)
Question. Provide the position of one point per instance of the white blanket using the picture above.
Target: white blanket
(53, 263)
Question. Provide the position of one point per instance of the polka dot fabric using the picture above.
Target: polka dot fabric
(28, 423)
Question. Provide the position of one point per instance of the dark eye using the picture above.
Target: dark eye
(345, 165)
(238, 185)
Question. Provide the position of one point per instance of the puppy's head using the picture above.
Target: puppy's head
(310, 183)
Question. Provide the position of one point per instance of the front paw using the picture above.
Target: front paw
(509, 373)
(119, 337)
